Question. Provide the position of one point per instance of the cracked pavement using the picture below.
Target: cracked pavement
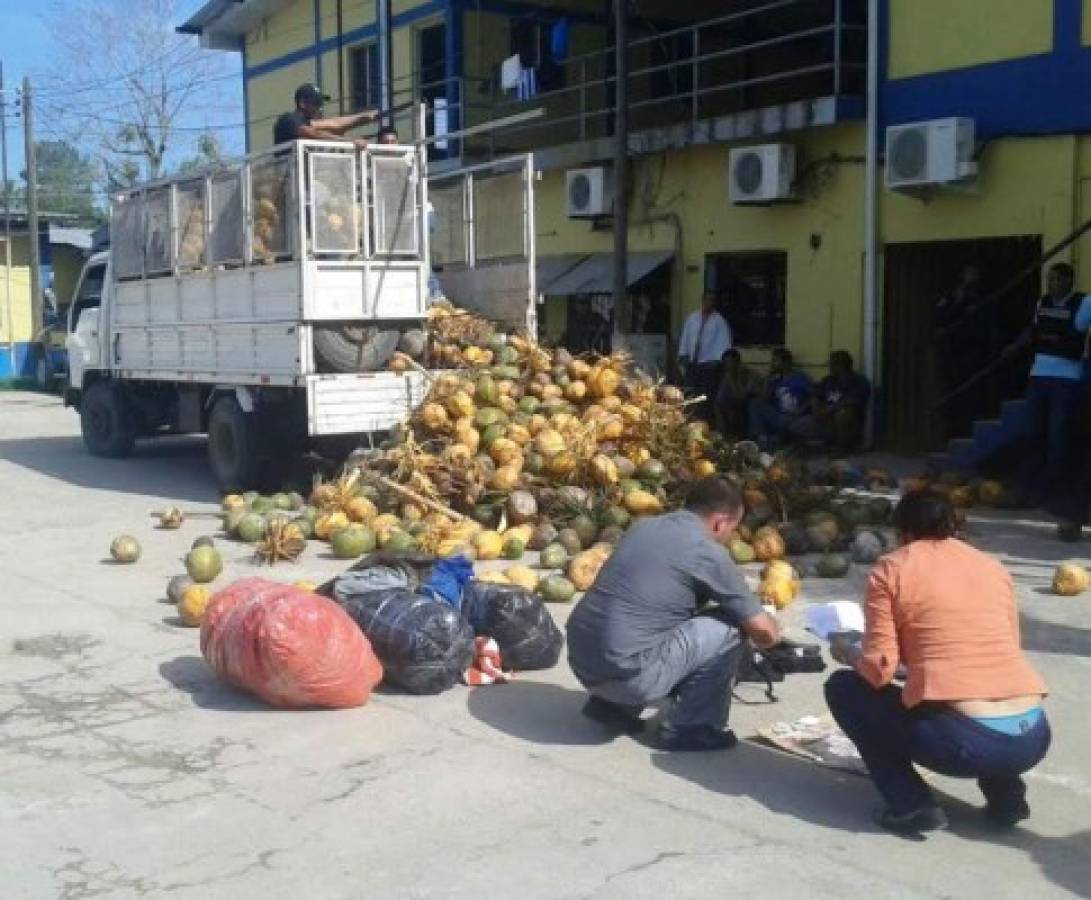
(127, 770)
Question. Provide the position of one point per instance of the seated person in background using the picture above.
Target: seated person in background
(781, 414)
(971, 706)
(740, 384)
(839, 407)
(636, 638)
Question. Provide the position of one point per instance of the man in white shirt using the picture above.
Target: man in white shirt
(706, 337)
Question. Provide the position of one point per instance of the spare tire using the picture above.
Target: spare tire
(352, 347)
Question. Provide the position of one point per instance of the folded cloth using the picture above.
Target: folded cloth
(448, 578)
(364, 581)
(487, 667)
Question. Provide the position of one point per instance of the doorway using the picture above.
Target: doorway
(432, 83)
(922, 365)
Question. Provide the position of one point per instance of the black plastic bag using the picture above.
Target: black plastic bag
(423, 644)
(517, 620)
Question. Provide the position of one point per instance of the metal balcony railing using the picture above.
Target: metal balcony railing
(771, 54)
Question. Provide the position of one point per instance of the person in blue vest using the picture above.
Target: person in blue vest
(1059, 341)
(783, 414)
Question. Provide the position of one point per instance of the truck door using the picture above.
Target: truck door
(86, 327)
(483, 239)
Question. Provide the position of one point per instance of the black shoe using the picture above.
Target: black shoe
(1008, 816)
(695, 738)
(927, 818)
(613, 716)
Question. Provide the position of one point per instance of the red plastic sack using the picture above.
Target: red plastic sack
(290, 647)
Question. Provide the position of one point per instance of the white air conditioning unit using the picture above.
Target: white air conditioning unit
(589, 193)
(761, 174)
(938, 152)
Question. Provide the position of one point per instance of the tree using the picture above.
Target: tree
(208, 154)
(66, 179)
(128, 78)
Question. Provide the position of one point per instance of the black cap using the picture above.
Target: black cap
(310, 93)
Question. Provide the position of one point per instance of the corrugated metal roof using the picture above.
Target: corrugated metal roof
(594, 273)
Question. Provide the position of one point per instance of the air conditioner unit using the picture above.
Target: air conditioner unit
(589, 193)
(761, 174)
(937, 152)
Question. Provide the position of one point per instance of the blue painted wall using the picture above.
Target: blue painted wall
(1037, 95)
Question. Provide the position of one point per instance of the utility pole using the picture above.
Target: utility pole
(386, 87)
(9, 312)
(621, 154)
(32, 213)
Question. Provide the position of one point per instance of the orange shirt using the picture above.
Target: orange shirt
(948, 612)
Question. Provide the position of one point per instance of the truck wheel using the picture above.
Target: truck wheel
(345, 347)
(43, 371)
(106, 420)
(232, 445)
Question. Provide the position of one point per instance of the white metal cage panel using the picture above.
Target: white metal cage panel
(127, 236)
(395, 292)
(395, 187)
(448, 240)
(272, 207)
(227, 241)
(355, 404)
(191, 231)
(131, 349)
(130, 303)
(158, 231)
(164, 348)
(498, 234)
(334, 208)
(198, 349)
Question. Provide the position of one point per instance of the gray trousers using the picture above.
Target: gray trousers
(695, 664)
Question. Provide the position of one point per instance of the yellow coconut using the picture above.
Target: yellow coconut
(192, 604)
(524, 577)
(1071, 579)
(329, 523)
(488, 545)
(643, 503)
(360, 509)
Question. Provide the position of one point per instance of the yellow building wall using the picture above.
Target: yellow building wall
(18, 314)
(938, 35)
(823, 285)
(270, 95)
(285, 31)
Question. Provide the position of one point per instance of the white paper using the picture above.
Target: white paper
(841, 615)
(511, 73)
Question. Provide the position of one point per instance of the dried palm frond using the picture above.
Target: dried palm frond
(283, 540)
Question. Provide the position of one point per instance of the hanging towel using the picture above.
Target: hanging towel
(511, 73)
(528, 84)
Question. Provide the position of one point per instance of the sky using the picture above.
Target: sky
(26, 49)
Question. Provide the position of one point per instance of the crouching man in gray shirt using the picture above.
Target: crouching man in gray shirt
(636, 638)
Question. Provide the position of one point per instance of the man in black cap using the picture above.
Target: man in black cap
(304, 122)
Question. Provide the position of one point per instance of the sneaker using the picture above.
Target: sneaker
(927, 818)
(695, 738)
(1008, 816)
(623, 719)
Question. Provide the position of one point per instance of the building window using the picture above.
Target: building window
(750, 289)
(532, 41)
(365, 76)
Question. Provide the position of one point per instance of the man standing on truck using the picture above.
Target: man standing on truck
(305, 122)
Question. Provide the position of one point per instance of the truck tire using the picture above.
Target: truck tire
(232, 448)
(106, 420)
(349, 347)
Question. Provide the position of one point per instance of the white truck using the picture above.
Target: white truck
(260, 302)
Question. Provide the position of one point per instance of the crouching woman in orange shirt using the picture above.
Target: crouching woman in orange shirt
(971, 706)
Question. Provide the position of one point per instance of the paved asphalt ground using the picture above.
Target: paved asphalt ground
(126, 770)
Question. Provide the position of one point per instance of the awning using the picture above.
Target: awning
(592, 273)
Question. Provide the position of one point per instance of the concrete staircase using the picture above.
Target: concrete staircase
(989, 437)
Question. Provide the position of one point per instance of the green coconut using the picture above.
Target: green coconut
(204, 564)
(529, 405)
(611, 534)
(867, 547)
(125, 549)
(796, 541)
(542, 536)
(513, 549)
(305, 525)
(398, 541)
(262, 505)
(354, 541)
(251, 528)
(833, 565)
(203, 541)
(556, 589)
(282, 502)
(741, 552)
(616, 516)
(553, 556)
(486, 392)
(822, 536)
(570, 540)
(177, 586)
(879, 510)
(585, 527)
(489, 415)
